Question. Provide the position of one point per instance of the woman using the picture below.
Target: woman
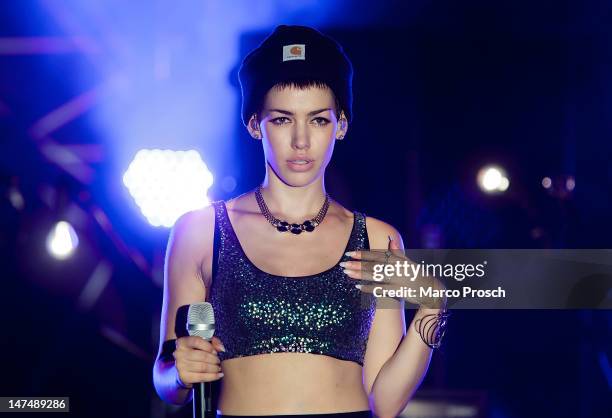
(294, 335)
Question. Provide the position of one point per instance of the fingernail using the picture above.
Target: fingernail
(358, 286)
(223, 348)
(390, 239)
(343, 264)
(221, 375)
(349, 253)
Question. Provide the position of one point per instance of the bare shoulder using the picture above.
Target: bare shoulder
(242, 204)
(192, 236)
(197, 225)
(185, 280)
(341, 212)
(379, 231)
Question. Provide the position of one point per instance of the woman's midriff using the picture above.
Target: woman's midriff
(291, 383)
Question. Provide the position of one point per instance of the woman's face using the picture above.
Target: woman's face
(298, 128)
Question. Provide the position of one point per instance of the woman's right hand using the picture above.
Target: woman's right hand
(196, 360)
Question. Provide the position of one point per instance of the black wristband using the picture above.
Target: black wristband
(181, 384)
(167, 351)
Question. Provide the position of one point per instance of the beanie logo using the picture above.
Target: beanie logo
(294, 52)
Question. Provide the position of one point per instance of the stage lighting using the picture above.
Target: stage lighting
(62, 240)
(16, 198)
(165, 184)
(492, 179)
(559, 185)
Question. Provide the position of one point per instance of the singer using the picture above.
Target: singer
(293, 334)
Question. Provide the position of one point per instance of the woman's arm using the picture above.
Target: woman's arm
(401, 375)
(187, 257)
(164, 378)
(396, 362)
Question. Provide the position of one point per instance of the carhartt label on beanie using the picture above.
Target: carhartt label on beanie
(294, 52)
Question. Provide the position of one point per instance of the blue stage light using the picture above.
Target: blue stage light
(165, 184)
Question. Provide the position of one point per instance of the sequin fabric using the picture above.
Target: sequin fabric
(257, 312)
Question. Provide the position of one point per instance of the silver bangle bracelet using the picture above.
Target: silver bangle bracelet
(432, 329)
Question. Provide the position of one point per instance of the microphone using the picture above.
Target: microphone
(201, 323)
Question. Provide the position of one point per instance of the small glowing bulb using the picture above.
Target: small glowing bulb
(62, 240)
(492, 179)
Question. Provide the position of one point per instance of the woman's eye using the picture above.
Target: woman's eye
(318, 121)
(277, 121)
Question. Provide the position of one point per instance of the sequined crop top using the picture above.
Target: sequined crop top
(257, 312)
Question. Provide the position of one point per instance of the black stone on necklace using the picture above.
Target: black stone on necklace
(284, 226)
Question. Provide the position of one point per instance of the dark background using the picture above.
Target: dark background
(441, 88)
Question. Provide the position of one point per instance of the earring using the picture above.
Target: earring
(254, 126)
(342, 125)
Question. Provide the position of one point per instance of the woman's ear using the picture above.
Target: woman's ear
(253, 127)
(342, 127)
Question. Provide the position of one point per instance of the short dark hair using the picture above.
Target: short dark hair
(299, 83)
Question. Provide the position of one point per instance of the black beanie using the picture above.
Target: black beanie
(293, 53)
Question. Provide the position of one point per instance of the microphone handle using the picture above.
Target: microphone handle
(202, 400)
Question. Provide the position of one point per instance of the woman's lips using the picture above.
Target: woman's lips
(300, 165)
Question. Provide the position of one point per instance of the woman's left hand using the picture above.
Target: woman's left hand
(379, 269)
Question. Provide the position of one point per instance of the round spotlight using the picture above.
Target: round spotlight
(165, 184)
(16, 198)
(492, 179)
(504, 184)
(62, 240)
(559, 185)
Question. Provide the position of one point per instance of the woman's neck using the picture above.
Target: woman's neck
(293, 203)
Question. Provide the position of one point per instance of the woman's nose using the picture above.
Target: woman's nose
(300, 141)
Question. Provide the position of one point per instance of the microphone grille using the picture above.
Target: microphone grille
(201, 320)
